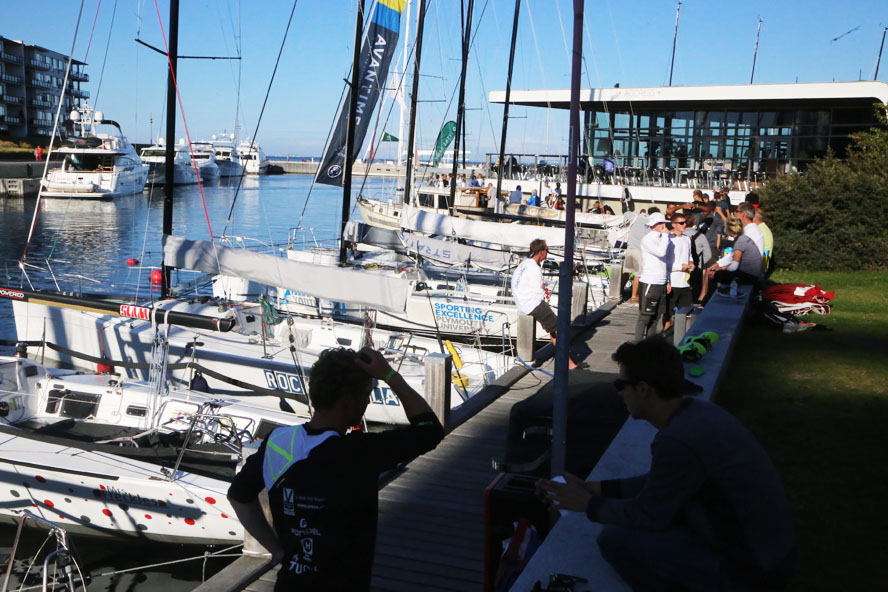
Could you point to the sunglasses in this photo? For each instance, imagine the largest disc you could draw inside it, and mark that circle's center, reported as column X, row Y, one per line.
column 621, row 383
column 682, row 223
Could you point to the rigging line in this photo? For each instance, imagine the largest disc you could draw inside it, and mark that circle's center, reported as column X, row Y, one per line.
column 89, row 43
column 536, row 45
column 105, row 59
column 55, row 130
column 261, row 113
column 184, row 121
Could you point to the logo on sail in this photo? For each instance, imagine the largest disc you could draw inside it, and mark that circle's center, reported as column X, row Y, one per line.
column 135, row 312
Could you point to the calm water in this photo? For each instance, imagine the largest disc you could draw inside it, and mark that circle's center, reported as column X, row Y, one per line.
column 88, row 243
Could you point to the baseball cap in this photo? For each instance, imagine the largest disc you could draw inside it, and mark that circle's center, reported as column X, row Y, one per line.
column 655, row 218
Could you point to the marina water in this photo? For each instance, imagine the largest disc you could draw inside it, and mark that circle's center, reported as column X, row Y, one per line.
column 88, row 244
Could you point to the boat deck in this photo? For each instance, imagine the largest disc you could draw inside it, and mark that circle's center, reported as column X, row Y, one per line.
column 431, row 514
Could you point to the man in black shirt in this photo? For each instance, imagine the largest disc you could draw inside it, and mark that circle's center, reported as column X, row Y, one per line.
column 322, row 478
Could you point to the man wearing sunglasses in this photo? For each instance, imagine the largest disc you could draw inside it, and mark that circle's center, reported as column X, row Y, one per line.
column 653, row 283
column 711, row 514
column 680, row 264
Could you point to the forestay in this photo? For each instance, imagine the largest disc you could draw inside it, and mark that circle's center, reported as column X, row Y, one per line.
column 332, row 283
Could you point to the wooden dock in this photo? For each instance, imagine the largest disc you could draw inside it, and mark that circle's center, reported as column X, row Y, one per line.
column 431, row 514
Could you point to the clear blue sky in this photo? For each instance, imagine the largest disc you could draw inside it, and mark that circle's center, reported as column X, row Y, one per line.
column 628, row 41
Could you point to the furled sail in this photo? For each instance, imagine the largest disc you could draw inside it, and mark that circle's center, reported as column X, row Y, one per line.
column 515, row 236
column 377, row 49
column 321, row 281
column 453, row 253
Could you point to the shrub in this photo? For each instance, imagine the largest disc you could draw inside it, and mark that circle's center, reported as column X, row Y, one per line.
column 834, row 216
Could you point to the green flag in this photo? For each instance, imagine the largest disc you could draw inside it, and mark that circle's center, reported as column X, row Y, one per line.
column 387, row 137
column 445, row 136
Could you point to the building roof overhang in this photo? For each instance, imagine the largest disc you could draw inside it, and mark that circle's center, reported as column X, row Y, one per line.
column 739, row 96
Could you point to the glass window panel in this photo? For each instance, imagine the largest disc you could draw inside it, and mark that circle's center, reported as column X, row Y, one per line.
column 602, row 119
column 857, row 115
column 621, row 120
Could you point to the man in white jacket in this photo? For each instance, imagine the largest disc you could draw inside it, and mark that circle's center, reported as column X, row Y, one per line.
column 530, row 294
column 654, row 280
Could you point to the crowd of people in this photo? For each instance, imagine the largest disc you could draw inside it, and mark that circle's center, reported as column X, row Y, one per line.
column 676, row 257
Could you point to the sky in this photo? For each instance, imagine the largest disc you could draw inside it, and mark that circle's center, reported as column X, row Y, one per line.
column 625, row 41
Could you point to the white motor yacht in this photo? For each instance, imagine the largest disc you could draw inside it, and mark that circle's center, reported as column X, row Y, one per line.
column 227, row 158
column 183, row 169
column 253, row 158
column 205, row 157
column 99, row 162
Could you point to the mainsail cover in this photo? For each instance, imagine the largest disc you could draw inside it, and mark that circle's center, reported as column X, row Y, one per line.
column 377, row 49
column 515, row 236
column 321, row 281
column 453, row 253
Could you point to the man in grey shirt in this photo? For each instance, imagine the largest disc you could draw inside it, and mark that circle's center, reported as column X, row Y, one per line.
column 711, row 514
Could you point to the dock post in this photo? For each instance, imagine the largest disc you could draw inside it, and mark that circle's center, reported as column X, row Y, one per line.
column 437, row 385
column 681, row 322
column 526, row 337
column 579, row 300
column 615, row 286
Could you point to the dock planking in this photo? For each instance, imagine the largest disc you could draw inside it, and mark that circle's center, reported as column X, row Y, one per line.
column 431, row 512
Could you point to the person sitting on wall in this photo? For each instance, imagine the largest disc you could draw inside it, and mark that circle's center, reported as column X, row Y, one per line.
column 711, row 514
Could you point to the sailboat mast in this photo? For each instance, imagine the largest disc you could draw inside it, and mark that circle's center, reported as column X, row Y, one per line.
column 170, row 138
column 414, row 96
column 350, row 131
column 502, row 152
column 461, row 105
column 565, row 272
column 401, row 101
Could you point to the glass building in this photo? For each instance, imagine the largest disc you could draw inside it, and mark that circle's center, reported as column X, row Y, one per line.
column 744, row 130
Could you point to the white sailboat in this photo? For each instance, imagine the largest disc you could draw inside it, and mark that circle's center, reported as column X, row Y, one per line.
column 114, row 457
column 99, row 162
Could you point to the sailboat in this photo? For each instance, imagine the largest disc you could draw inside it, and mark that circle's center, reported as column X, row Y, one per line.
column 240, row 347
column 121, row 458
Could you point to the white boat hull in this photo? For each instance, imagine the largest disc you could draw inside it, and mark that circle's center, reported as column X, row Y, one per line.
column 94, row 185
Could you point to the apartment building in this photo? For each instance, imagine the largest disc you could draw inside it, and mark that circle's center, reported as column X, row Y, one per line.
column 31, row 80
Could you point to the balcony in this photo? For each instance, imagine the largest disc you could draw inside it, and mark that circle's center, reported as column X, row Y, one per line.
column 11, row 78
column 80, row 76
column 10, row 100
column 13, row 120
column 39, row 103
column 80, row 94
column 39, row 64
column 8, row 57
column 40, row 83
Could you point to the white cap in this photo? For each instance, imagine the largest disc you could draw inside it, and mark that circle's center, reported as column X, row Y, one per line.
column 655, row 218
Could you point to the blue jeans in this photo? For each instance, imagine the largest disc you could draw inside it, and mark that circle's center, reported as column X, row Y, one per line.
column 665, row 561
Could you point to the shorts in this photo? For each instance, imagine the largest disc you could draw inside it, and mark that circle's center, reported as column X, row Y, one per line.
column 632, row 261
column 545, row 316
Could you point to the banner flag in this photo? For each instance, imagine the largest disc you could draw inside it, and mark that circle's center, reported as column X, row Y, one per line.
column 387, row 137
column 445, row 137
column 377, row 49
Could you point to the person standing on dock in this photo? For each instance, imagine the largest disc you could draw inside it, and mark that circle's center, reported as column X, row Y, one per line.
column 322, row 476
column 711, row 514
column 530, row 293
column 653, row 285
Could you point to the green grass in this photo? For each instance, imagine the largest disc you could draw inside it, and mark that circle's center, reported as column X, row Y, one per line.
column 818, row 402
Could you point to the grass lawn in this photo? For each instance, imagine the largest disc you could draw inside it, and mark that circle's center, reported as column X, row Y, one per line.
column 818, row 402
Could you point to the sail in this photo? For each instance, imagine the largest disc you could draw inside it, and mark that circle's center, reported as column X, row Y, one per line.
column 377, row 49
column 453, row 253
column 516, row 236
column 321, row 281
column 445, row 137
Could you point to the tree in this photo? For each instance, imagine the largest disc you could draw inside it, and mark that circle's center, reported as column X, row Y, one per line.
column 834, row 216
